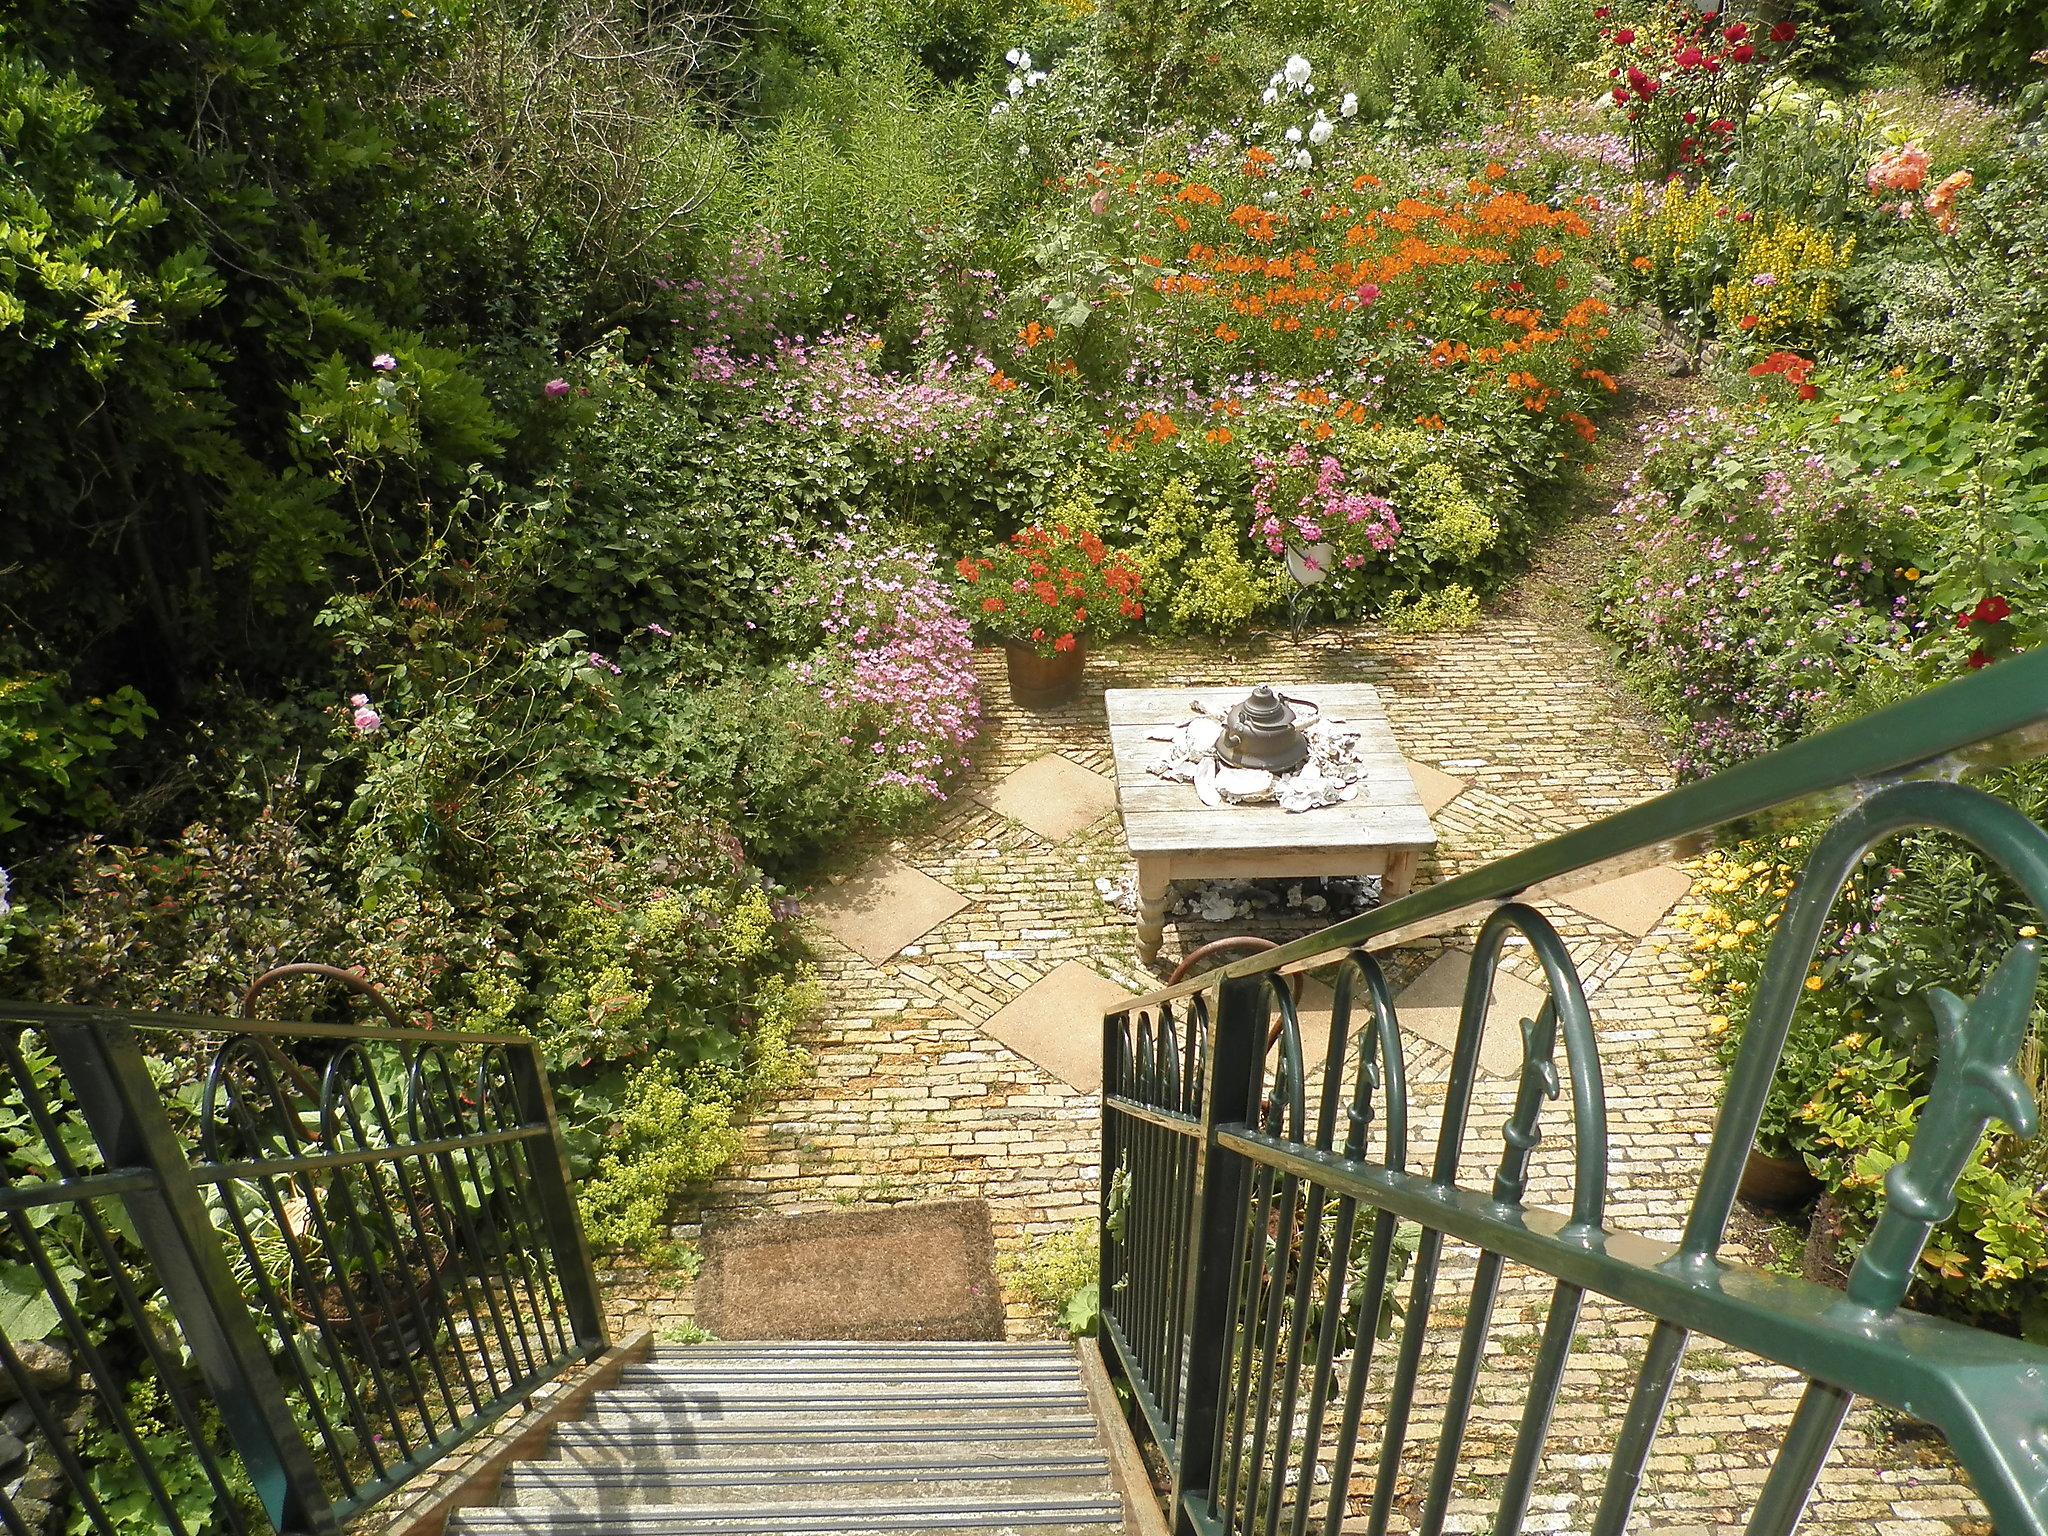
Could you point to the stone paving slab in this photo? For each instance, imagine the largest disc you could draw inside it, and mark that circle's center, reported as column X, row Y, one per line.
column 1053, row 796
column 1635, row 903
column 1057, row 1022
column 1430, row 1006
column 1435, row 788
column 883, row 906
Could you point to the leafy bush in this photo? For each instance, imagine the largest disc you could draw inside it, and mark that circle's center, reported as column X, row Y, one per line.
column 1058, row 1277
column 51, row 747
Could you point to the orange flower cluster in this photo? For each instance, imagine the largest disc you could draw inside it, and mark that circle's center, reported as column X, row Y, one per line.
column 1048, row 586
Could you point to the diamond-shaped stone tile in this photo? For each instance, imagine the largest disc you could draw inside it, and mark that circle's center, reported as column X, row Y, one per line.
column 1635, row 903
column 1057, row 1023
column 1437, row 788
column 882, row 906
column 1429, row 1006
column 1053, row 796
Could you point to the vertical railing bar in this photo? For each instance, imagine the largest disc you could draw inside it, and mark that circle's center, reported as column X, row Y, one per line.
column 446, row 1187
column 541, row 1316
column 1801, row 1455
column 1421, row 1293
column 1464, row 1385
column 1250, row 1311
column 81, row 1342
column 436, row 1286
column 575, row 1277
column 117, row 1272
column 1379, row 1259
column 395, row 1317
column 54, row 1436
column 1231, row 1042
column 246, row 1123
column 367, row 1251
column 105, row 1067
column 1654, row 1380
column 1145, row 1192
column 1107, row 1250
column 1273, row 1305
column 281, row 1317
column 522, row 1367
column 1551, row 1358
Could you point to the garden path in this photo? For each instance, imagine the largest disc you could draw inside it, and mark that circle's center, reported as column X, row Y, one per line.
column 915, row 1098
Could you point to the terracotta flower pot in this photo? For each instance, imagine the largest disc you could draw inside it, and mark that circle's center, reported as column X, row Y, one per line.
column 1041, row 682
column 1776, row 1183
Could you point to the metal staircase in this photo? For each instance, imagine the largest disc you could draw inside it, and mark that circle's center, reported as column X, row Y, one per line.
column 782, row 1439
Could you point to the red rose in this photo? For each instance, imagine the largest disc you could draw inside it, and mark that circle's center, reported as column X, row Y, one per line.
column 1721, row 125
column 1620, row 96
column 1737, row 32
column 1963, row 619
column 1742, row 54
column 1690, row 58
column 1979, row 659
column 1784, row 32
column 1625, row 36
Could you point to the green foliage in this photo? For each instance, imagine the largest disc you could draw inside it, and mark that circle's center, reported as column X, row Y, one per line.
column 51, row 746
column 1198, row 576
column 1057, row 1276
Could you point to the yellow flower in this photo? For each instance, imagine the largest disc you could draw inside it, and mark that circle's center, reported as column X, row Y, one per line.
column 1746, row 927
column 1813, row 983
column 2030, row 931
column 1912, row 573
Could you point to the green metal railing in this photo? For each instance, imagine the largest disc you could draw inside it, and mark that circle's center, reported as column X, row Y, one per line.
column 261, row 1274
column 1250, row 1253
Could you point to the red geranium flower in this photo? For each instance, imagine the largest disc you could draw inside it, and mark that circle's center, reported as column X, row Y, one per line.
column 1979, row 659
column 1064, row 643
column 1991, row 609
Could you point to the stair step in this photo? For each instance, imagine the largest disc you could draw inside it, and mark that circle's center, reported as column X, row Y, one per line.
column 630, row 1442
column 703, row 1408
column 1027, row 1516
column 880, row 1482
column 804, row 1348
column 877, row 1369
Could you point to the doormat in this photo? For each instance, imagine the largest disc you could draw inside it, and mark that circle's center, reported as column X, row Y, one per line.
column 898, row 1272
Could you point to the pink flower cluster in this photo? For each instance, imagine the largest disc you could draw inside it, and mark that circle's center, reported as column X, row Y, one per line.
column 835, row 384
column 897, row 656
column 1291, row 506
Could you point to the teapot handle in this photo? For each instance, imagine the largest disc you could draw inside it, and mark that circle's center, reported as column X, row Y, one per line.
column 1309, row 704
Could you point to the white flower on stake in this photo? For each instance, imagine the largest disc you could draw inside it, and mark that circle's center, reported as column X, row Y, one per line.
column 1297, row 70
column 1320, row 130
column 1349, row 106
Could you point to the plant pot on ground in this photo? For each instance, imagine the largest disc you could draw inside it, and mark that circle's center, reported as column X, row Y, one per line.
column 1044, row 596
column 1777, row 1183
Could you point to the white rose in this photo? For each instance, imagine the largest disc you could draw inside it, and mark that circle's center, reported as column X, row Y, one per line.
column 1024, row 59
column 1269, row 96
column 1349, row 108
column 1010, row 57
column 1294, row 135
column 1016, row 87
column 1303, row 159
column 1297, row 70
column 1320, row 130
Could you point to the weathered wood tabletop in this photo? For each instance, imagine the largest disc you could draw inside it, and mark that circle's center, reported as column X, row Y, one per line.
column 1173, row 836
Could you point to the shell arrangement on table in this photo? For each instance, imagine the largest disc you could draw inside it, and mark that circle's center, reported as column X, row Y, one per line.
column 1332, row 774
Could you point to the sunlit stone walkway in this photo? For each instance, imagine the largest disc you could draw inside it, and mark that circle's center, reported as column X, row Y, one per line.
column 939, row 1075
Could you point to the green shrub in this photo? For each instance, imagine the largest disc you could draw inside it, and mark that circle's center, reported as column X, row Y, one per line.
column 1057, row 1277
column 52, row 748
column 1194, row 559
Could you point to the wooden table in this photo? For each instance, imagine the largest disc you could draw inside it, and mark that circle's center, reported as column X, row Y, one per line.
column 1173, row 836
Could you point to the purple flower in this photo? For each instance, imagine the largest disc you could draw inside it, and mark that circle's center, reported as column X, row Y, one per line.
column 384, row 362
column 554, row 389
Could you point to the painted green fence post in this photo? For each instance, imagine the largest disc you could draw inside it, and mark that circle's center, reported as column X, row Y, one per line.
column 1229, row 1098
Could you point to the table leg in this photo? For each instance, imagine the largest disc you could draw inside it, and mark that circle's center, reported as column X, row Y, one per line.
column 1400, row 875
column 1152, row 886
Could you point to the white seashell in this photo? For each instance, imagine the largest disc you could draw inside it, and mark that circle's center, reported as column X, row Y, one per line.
column 1203, row 734
column 1205, row 782
column 1244, row 783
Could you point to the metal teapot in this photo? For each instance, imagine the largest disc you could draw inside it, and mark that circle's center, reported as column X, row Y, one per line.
column 1264, row 731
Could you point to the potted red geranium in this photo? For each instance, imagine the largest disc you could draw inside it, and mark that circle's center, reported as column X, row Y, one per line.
column 1045, row 594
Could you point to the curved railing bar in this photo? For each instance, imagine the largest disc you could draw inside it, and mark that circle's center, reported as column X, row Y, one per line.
column 2010, row 841
column 355, row 981
column 1289, row 1076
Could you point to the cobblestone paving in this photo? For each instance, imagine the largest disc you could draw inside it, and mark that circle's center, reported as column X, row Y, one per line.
column 912, row 1101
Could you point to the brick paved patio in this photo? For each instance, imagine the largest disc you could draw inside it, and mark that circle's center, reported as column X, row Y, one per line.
column 913, row 1099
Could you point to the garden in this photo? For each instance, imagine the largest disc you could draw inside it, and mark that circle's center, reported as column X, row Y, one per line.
column 503, row 494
